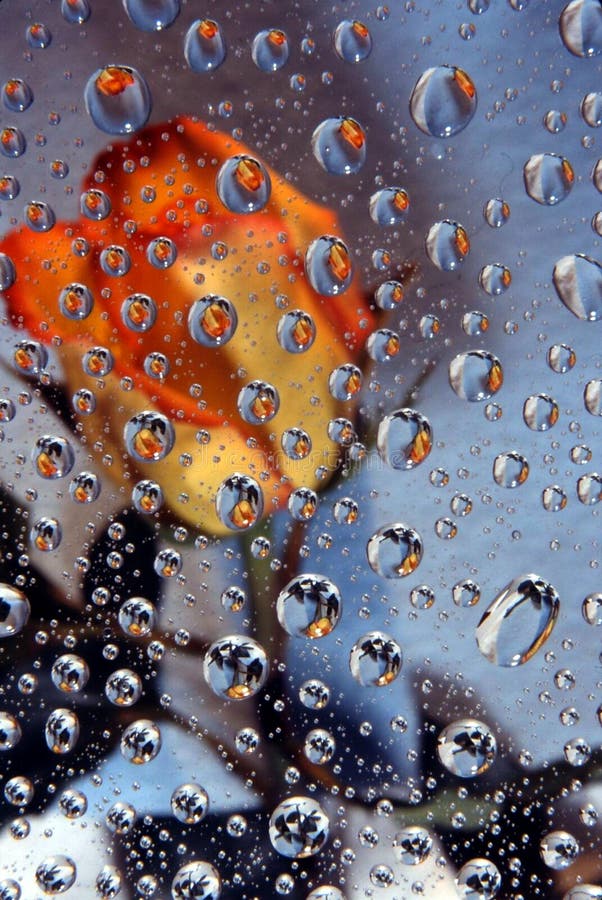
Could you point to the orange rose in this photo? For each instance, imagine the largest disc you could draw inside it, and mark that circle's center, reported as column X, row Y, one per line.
column 167, row 304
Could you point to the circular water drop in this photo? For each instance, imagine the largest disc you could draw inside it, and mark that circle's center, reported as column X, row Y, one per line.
column 147, row 497
column 118, row 99
column 475, row 375
column 447, row 245
column 466, row 748
column 70, row 673
column 478, row 879
column 12, row 142
column 62, row 731
column 466, row 593
column 17, row 96
column 140, row 742
column 138, row 312
column 14, row 611
column 198, row 881
column 189, row 803
column 518, row 621
column 39, row 216
column 270, row 50
column 592, row 396
column 10, row 733
column 212, row 321
column 73, row 804
column 581, row 27
column 76, row 301
column 443, row 101
column 578, row 282
column 405, row 439
column 76, row 12
column 56, row 874
column 239, row 502
column 345, row 511
column 584, row 892
column 296, row 331
column 9, row 189
column 577, row 752
column 152, row 15
column 137, row 617
column 389, row 295
column 115, row 261
column 94, row 204
column 149, row 436
column 555, row 121
column 108, row 882
column 548, row 177
column 554, row 498
column 319, row 746
column 352, row 41
column 395, row 551
column 412, row 845
column 326, row 892
column 540, row 412
column 558, row 849
column 589, row 489
column 296, row 443
column 314, row 694
column 339, row 145
column 345, row 382
column 328, row 266
column 383, row 345
column 375, row 659
column 235, row 667
column 495, row 279
column 258, row 402
column 120, row 818
column 243, row 184
column 591, row 109
column 561, row 358
column 302, row 504
column 162, row 252
column 19, row 790
column 30, row 357
column 389, row 206
column 298, row 828
column 510, row 469
column 309, row 606
column 204, row 46
column 52, row 456
column 123, row 687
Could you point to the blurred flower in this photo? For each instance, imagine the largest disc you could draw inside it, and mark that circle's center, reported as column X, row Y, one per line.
column 192, row 339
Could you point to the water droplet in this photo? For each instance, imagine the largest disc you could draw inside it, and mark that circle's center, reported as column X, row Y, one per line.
column 38, row 36
column 581, row 27
column 475, row 375
column 422, row 597
column 578, row 281
column 108, row 880
column 17, row 95
column 577, row 752
column 205, row 46
column 140, row 742
column 540, row 412
column 495, row 279
column 519, row 621
column 212, row 321
column 56, row 874
column 296, row 331
column 53, row 456
column 405, row 439
column 466, row 748
column 589, row 489
column 235, row 667
column 243, row 184
column 345, row 382
column 466, row 593
column 314, row 694
column 555, row 121
column 70, row 673
column 319, row 746
column 443, row 101
column 152, row 15
column 189, row 803
column 309, row 605
column 9, row 189
column 39, row 216
column 149, row 436
column 328, row 266
column 95, row 204
column 389, row 295
column 76, row 301
column 270, row 50
column 123, row 687
column 447, row 245
column 339, row 145
column 548, row 178
column 352, row 41
column 258, row 402
column 76, row 12
column 558, row 849
column 412, row 845
column 138, row 312
column 510, row 469
column 12, row 142
column 591, row 109
column 118, row 99
column 161, row 252
column 584, row 892
column 10, row 730
column 298, row 828
column 302, row 504
column 390, row 206
column 395, row 551
column 561, row 358
column 375, row 659
column 120, row 818
column 478, row 879
column 554, row 498
column 239, row 502
column 383, row 345
column 61, row 731
column 115, row 261
column 137, row 616
column 326, row 892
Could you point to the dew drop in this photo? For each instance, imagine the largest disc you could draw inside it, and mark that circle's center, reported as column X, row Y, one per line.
column 204, row 46
column 443, row 101
column 118, row 99
column 339, row 145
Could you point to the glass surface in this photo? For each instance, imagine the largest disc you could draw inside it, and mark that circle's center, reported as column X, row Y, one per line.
column 300, row 450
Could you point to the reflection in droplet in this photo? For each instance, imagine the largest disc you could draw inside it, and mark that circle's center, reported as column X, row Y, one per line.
column 314, row 694
column 412, row 845
column 578, row 281
column 558, row 849
column 405, row 439
column 62, row 731
column 389, row 206
column 199, row 880
column 296, row 331
column 189, row 803
column 14, row 611
column 548, row 178
column 140, row 742
column 495, row 279
column 235, row 667
column 561, row 358
column 581, row 27
column 375, row 659
column 152, row 15
column 239, row 502
column 258, row 402
column 298, row 828
column 395, row 551
column 270, row 50
column 10, row 732
column 554, row 498
column 519, row 621
column 478, row 879
column 589, row 489
column 466, row 748
column 443, row 101
column 118, row 99
column 466, row 593
column 309, row 605
column 17, row 96
column 76, row 301
column 328, row 266
column 339, row 145
column 510, row 469
column 56, row 874
column 475, row 375
column 243, row 184
column 149, row 436
column 447, row 245
column 540, row 412
column 204, row 46
column 76, row 12
column 212, row 321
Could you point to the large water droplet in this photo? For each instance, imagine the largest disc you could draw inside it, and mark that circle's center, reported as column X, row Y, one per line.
column 447, row 245
column 56, row 874
column 298, row 828
column 466, row 748
column 578, row 281
column 140, row 742
column 581, row 27
column 14, row 611
column 405, row 438
column 235, row 667
column 212, row 321
column 204, row 47
column 152, row 15
column 243, row 184
column 443, row 101
column 475, row 375
column 352, row 41
column 394, row 551
column 270, row 50
column 375, row 659
column 478, row 879
column 189, row 803
column 548, row 178
column 518, row 621
column 309, row 605
column 149, row 436
column 118, row 99
column 339, row 145
column 196, row 881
